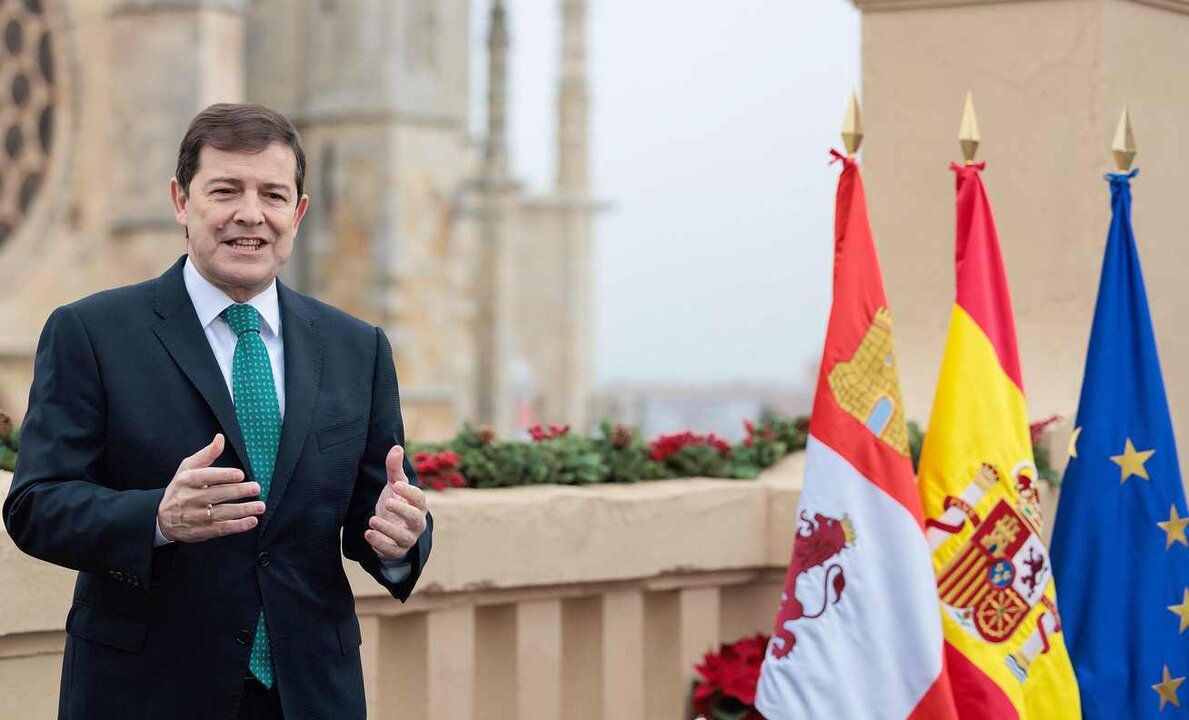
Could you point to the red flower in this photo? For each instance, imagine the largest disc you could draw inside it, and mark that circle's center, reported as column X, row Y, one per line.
column 1036, row 429
column 438, row 471
column 765, row 433
column 667, row 445
column 732, row 672
column 539, row 434
column 752, row 649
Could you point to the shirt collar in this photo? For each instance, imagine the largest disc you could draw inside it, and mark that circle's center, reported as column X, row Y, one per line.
column 209, row 301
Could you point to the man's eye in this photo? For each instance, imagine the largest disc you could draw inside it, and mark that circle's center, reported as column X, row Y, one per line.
column 222, row 191
column 276, row 196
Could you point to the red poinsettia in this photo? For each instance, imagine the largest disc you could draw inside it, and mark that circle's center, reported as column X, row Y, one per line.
column 439, row 471
column 667, row 445
column 540, row 434
column 765, row 433
column 1037, row 429
column 727, row 686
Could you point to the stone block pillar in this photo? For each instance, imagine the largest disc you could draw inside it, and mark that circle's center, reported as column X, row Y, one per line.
column 1050, row 78
column 539, row 660
column 623, row 655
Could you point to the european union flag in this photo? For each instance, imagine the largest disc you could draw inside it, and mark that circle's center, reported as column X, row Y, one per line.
column 1119, row 549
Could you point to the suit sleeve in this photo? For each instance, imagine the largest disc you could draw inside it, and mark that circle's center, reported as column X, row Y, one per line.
column 386, row 429
column 57, row 509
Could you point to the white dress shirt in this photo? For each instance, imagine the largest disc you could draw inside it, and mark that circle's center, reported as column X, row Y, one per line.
column 209, row 303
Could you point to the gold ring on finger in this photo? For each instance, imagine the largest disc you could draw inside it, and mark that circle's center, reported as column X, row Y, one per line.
column 209, row 517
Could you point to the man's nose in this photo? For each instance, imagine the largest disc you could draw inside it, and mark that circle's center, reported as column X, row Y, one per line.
column 249, row 212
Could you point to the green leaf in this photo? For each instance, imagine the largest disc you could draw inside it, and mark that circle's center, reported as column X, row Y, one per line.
column 724, row 714
column 916, row 438
column 575, row 460
column 745, row 472
column 8, row 458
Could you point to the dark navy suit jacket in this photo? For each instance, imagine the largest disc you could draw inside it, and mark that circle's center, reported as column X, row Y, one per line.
column 125, row 386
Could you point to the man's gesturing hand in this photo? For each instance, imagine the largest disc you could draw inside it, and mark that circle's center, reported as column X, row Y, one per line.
column 400, row 511
column 198, row 505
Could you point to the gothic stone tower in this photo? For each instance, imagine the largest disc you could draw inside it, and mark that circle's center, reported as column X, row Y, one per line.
column 550, row 255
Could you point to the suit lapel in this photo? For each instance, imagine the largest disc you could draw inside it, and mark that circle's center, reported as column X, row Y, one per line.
column 183, row 337
column 303, row 370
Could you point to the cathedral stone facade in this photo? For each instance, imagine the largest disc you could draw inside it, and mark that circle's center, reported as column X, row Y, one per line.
column 414, row 225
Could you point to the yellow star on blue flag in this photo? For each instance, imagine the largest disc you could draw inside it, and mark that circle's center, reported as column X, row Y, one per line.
column 1131, row 462
column 1119, row 552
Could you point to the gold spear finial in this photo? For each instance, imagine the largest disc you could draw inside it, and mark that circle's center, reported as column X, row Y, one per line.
column 1124, row 145
column 852, row 126
column 968, row 134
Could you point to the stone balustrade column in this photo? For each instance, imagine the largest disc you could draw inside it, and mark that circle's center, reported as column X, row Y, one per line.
column 623, row 655
column 539, row 660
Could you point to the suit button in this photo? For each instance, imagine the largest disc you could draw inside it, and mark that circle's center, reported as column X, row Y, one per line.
column 263, row 559
column 243, row 637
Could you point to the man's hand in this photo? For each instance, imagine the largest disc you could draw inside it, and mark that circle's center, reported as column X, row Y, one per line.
column 197, row 504
column 400, row 511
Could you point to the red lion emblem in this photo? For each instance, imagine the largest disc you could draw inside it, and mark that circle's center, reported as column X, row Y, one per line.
column 818, row 541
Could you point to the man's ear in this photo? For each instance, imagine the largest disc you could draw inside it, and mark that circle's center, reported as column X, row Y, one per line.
column 302, row 205
column 179, row 201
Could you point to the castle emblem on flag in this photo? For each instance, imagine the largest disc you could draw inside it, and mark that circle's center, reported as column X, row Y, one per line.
column 865, row 385
column 1000, row 573
column 818, row 543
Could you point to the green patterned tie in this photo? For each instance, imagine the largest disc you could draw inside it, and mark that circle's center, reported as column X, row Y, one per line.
column 259, row 418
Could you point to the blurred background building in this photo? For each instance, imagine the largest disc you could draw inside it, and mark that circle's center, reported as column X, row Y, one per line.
column 415, row 225
column 445, row 212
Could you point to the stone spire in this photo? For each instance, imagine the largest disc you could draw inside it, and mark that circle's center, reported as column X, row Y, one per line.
column 491, row 285
column 495, row 155
column 573, row 166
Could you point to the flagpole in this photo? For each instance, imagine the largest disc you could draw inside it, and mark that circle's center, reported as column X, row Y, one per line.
column 968, row 132
column 1124, row 146
column 852, row 126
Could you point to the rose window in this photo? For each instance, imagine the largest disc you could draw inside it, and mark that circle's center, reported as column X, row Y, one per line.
column 26, row 109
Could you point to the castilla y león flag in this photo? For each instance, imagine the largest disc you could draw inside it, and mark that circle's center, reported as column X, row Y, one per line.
column 1004, row 648
column 858, row 634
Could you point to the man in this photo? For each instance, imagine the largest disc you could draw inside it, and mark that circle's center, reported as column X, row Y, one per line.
column 198, row 446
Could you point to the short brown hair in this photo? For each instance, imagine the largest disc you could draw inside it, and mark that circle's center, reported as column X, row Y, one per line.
column 237, row 127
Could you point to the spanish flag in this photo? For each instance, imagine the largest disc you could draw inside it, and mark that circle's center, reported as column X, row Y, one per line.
column 1004, row 649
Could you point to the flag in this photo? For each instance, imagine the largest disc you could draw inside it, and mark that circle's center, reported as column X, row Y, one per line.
column 1119, row 547
column 858, row 632
column 1004, row 648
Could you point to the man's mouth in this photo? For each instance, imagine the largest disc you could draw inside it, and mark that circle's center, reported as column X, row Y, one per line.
column 246, row 243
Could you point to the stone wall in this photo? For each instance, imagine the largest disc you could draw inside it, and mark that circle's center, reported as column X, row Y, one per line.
column 1050, row 78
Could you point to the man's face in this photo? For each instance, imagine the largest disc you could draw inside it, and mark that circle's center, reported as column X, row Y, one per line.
column 241, row 212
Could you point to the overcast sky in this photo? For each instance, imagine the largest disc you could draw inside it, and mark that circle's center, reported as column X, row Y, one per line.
column 711, row 123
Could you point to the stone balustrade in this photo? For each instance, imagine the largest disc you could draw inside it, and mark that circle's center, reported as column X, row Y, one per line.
column 541, row 602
